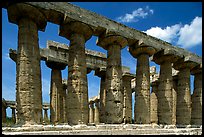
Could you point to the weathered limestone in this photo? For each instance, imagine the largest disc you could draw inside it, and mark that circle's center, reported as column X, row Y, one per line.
column 96, row 111
column 28, row 78
column 154, row 102
column 165, row 58
column 4, row 106
column 174, row 95
column 91, row 111
column 183, row 108
column 57, row 94
column 196, row 113
column 77, row 96
column 142, row 89
column 127, row 103
column 102, row 73
column 114, row 97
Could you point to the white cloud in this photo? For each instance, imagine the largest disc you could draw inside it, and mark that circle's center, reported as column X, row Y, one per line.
column 191, row 35
column 185, row 36
column 166, row 34
column 138, row 13
column 6, row 56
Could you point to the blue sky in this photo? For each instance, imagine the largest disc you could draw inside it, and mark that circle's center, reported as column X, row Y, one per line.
column 179, row 23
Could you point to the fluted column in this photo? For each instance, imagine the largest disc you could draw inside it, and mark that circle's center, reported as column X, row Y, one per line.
column 77, row 97
column 196, row 114
column 127, row 108
column 114, row 97
column 183, row 106
column 56, row 92
column 142, row 89
column 4, row 106
column 165, row 58
column 102, row 73
column 154, row 102
column 96, row 111
column 91, row 111
column 28, row 78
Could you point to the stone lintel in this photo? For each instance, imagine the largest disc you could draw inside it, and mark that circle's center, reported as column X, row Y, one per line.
column 56, row 65
column 197, row 69
column 75, row 27
column 169, row 55
column 184, row 63
column 106, row 40
column 140, row 48
column 128, row 76
column 22, row 10
column 57, row 12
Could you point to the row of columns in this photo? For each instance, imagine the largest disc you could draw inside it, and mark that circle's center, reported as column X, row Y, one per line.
column 28, row 78
column 13, row 111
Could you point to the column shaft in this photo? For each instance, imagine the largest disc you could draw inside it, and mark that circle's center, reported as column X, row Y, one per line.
column 127, row 110
column 13, row 115
column 96, row 112
column 77, row 81
column 102, row 99
column 154, row 103
column 29, row 93
column 91, row 112
column 142, row 93
column 196, row 116
column 165, row 96
column 45, row 115
column 183, row 108
column 114, row 96
column 56, row 90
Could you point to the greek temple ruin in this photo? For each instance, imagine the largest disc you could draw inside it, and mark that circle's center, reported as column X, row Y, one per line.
column 160, row 98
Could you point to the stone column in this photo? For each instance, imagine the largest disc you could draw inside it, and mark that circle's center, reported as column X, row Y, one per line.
column 64, row 103
column 77, row 97
column 154, row 102
column 91, row 111
column 127, row 108
column 183, row 106
column 13, row 108
column 114, row 97
column 165, row 58
column 142, row 89
column 96, row 111
column 28, row 78
column 196, row 114
column 102, row 73
column 4, row 106
column 56, row 92
column 45, row 114
column 174, row 94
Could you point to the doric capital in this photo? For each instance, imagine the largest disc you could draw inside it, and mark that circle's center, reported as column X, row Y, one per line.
column 21, row 10
column 75, row 27
column 127, row 76
column 165, row 55
column 107, row 39
column 139, row 48
column 56, row 65
column 197, row 69
column 184, row 63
